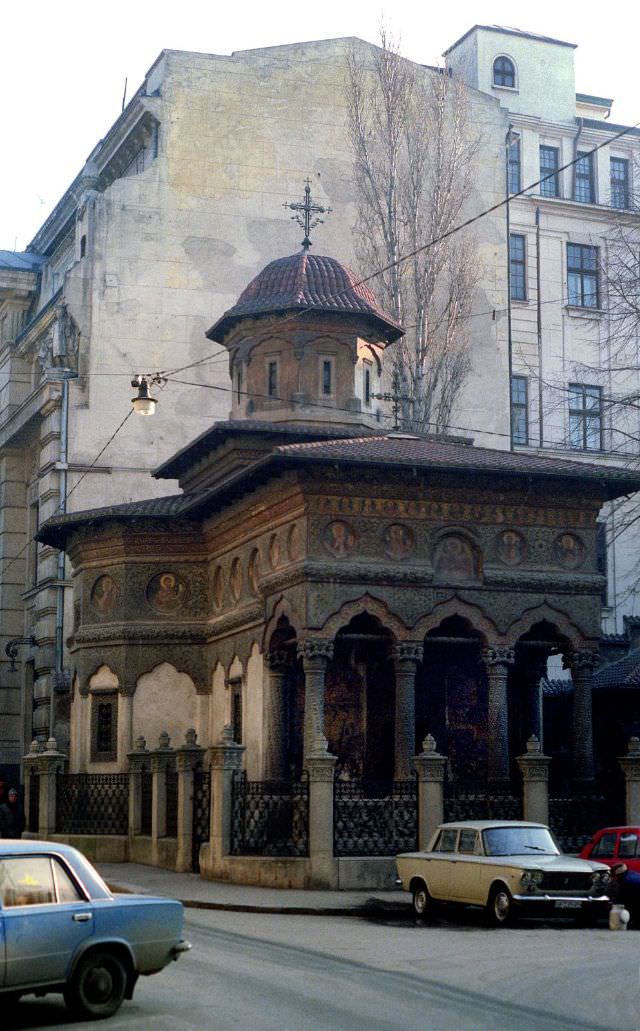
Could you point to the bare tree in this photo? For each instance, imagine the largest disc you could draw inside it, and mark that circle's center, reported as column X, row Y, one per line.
column 414, row 151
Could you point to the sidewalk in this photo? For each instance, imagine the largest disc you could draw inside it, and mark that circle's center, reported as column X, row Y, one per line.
column 196, row 893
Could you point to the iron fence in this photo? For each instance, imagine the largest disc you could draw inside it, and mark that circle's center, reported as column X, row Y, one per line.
column 464, row 801
column 201, row 814
column 171, row 803
column 146, row 802
column 374, row 819
column 33, row 823
column 92, row 803
column 574, row 819
column 269, row 818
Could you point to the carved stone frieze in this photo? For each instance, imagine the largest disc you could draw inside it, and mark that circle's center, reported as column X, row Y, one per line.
column 229, row 622
column 194, row 633
column 315, row 649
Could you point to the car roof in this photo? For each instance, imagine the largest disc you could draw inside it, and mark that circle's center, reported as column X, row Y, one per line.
column 618, row 828
column 20, row 846
column 483, row 825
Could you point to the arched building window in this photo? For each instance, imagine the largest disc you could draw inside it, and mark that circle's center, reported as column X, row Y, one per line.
column 504, row 72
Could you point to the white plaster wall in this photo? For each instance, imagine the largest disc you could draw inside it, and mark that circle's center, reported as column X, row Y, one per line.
column 164, row 699
column 254, row 705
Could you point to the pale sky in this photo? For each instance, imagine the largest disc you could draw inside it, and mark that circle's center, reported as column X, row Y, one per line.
column 63, row 65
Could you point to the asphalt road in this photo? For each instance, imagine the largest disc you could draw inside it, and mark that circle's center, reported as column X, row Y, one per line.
column 304, row 973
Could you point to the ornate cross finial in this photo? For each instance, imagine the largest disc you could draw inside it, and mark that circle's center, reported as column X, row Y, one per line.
column 304, row 212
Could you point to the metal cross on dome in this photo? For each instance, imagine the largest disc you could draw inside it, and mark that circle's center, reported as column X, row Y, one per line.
column 305, row 211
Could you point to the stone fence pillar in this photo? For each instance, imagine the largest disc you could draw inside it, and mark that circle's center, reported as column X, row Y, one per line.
column 46, row 766
column 138, row 761
column 225, row 759
column 161, row 758
column 534, row 767
column 321, row 768
column 188, row 758
column 430, row 766
column 630, row 764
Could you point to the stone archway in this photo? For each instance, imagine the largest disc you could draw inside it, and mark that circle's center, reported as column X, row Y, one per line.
column 283, row 704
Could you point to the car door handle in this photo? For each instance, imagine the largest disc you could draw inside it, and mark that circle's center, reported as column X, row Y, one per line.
column 82, row 918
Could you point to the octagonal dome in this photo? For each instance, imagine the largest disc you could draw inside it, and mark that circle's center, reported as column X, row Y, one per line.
column 304, row 282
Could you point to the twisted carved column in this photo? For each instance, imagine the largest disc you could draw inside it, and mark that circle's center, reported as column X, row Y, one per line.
column 581, row 665
column 406, row 656
column 276, row 715
column 316, row 653
column 497, row 660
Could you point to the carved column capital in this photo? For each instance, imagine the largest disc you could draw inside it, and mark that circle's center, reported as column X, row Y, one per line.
column 317, row 651
column 499, row 655
column 278, row 660
column 582, row 662
column 407, row 651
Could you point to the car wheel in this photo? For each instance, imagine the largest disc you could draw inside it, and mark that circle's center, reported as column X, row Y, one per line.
column 98, row 986
column 499, row 906
column 422, row 901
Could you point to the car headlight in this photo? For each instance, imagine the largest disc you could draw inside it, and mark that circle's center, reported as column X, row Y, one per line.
column 531, row 878
column 600, row 878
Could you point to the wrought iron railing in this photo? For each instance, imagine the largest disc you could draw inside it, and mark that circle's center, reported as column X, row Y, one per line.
column 476, row 801
column 171, row 803
column 374, row 819
column 146, row 802
column 201, row 814
column 92, row 803
column 270, row 818
column 574, row 819
column 33, row 823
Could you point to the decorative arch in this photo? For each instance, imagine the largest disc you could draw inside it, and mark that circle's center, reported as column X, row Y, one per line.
column 372, row 606
column 565, row 626
column 281, row 608
column 165, row 699
column 457, row 607
column 84, row 673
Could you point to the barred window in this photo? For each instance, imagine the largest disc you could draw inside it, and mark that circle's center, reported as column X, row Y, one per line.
column 104, row 724
column 619, row 183
column 549, row 164
column 582, row 275
column 601, row 557
column 584, row 188
column 519, row 410
column 517, row 268
column 504, row 72
column 272, row 379
column 513, row 166
column 585, row 417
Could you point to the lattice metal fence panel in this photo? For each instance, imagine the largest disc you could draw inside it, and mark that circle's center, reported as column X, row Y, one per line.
column 146, row 802
column 270, row 818
column 201, row 814
column 171, row 803
column 574, row 820
column 470, row 802
column 374, row 819
column 92, row 803
column 34, row 803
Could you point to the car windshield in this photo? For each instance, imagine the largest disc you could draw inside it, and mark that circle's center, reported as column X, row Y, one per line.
column 518, row 841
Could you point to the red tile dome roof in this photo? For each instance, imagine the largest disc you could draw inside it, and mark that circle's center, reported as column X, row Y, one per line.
column 306, row 282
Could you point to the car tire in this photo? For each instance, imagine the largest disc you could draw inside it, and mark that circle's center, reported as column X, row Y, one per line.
column 98, row 986
column 499, row 908
column 421, row 902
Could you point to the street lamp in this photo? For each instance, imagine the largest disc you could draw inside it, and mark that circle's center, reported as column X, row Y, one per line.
column 143, row 403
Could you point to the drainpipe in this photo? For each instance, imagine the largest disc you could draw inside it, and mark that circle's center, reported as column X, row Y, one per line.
column 62, row 464
column 509, row 336
column 575, row 155
column 539, row 316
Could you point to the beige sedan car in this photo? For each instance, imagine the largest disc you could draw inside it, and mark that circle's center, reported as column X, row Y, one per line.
column 507, row 867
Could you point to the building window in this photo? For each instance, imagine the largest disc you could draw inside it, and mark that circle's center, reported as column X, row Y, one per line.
column 238, row 383
column 517, row 269
column 236, row 709
column 83, row 246
column 601, row 558
column 504, row 72
column 326, row 376
column 513, row 165
column 582, row 275
column 519, row 410
column 104, row 725
column 619, row 183
column 585, row 417
column 584, row 189
column 549, row 164
column 272, row 378
column 367, row 384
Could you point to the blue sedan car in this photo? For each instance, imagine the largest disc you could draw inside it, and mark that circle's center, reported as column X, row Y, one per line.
column 62, row 930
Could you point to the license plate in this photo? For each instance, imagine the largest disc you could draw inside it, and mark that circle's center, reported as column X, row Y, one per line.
column 568, row 904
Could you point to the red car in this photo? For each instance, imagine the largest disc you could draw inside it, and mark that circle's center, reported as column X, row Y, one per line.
column 615, row 845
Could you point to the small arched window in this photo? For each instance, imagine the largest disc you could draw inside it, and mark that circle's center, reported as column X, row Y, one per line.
column 504, row 72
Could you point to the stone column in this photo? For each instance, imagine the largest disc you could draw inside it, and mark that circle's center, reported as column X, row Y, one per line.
column 430, row 767
column 582, row 665
column 534, row 767
column 137, row 762
column 188, row 756
column 160, row 760
column 324, row 868
column 225, row 759
column 497, row 660
column 316, row 653
column 406, row 656
column 125, row 727
column 47, row 765
column 30, row 766
column 275, row 715
column 630, row 764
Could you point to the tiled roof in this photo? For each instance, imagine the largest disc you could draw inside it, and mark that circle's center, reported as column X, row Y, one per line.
column 303, row 282
column 21, row 261
column 557, row 687
column 625, row 672
column 54, row 531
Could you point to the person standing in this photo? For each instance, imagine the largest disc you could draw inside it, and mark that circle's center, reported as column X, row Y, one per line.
column 11, row 816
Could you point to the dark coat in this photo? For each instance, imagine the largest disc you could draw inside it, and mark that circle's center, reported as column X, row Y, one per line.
column 11, row 820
